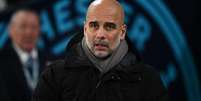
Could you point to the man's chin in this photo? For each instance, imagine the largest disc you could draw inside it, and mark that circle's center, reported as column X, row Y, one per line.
column 101, row 54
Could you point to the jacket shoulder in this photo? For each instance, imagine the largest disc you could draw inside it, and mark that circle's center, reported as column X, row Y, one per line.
column 148, row 72
column 153, row 86
column 48, row 85
column 53, row 68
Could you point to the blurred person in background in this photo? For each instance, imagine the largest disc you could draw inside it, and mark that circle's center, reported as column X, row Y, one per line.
column 21, row 61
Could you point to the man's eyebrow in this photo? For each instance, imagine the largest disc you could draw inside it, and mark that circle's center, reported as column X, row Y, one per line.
column 112, row 24
column 93, row 21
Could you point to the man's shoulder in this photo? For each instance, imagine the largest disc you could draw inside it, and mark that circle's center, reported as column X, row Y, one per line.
column 54, row 69
column 56, row 65
column 148, row 72
column 6, row 49
column 7, row 52
column 58, row 71
column 135, row 64
column 145, row 68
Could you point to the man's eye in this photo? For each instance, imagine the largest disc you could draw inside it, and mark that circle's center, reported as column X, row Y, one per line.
column 93, row 25
column 109, row 26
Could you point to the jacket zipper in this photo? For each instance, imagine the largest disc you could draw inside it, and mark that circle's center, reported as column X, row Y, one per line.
column 98, row 84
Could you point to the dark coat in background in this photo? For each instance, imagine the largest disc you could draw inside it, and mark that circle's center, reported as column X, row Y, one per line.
column 76, row 79
column 14, row 86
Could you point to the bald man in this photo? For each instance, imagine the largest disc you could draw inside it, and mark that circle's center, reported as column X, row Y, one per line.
column 20, row 60
column 100, row 64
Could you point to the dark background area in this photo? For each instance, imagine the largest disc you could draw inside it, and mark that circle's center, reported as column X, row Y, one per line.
column 188, row 14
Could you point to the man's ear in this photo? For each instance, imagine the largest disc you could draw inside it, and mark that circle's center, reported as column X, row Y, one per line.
column 123, row 32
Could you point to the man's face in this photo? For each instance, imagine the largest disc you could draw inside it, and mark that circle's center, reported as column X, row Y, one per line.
column 24, row 30
column 103, row 32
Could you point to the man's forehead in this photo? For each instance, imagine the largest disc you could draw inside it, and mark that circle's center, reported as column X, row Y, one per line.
column 101, row 17
column 108, row 10
column 103, row 22
column 21, row 16
column 103, row 12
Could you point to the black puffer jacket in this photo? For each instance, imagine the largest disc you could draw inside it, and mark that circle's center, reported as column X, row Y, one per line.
column 76, row 79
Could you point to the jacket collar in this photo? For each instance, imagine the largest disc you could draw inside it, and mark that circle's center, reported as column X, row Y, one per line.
column 76, row 59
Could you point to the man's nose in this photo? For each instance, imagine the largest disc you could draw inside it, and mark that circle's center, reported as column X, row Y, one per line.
column 100, row 33
column 28, row 31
